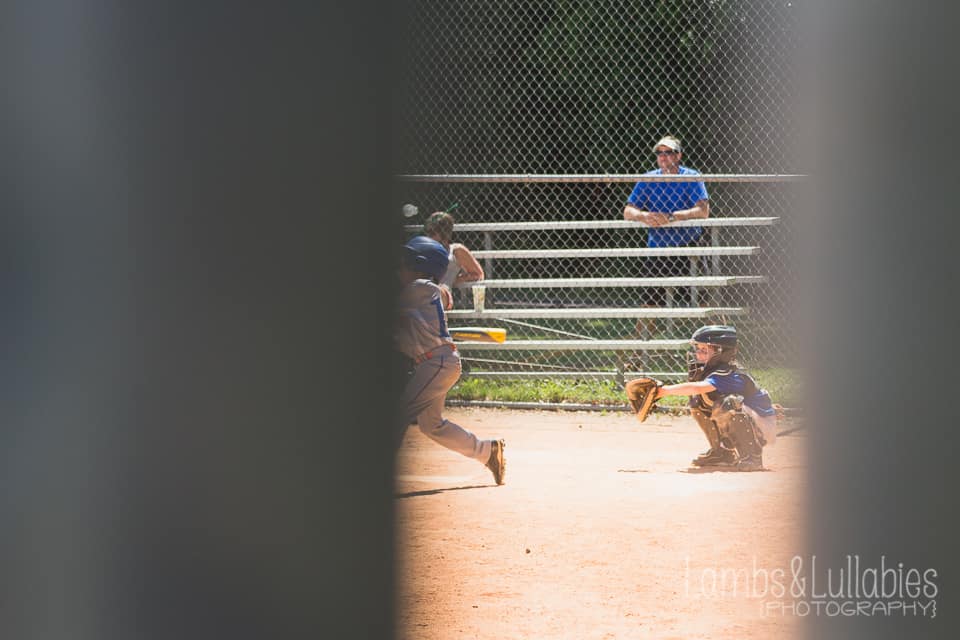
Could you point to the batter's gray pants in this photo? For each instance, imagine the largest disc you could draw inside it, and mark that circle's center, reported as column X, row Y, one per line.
column 423, row 400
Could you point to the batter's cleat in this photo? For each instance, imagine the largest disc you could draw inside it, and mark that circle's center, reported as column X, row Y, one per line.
column 716, row 458
column 497, row 463
column 750, row 463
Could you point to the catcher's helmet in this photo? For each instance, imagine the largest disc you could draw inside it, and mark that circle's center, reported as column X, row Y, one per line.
column 716, row 334
column 426, row 255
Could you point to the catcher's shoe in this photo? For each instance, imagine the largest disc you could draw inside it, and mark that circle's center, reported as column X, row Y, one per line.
column 750, row 463
column 718, row 457
column 497, row 463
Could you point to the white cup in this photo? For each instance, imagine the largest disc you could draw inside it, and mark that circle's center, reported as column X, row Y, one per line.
column 479, row 295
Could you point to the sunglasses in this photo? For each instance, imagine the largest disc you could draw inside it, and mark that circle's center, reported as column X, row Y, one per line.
column 665, row 153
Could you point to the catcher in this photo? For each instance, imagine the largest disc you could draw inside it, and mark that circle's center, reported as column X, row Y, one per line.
column 737, row 417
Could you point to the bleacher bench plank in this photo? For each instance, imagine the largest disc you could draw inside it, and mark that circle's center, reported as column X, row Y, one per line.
column 693, row 252
column 602, row 312
column 568, row 345
column 595, row 375
column 599, row 178
column 567, row 225
column 565, row 283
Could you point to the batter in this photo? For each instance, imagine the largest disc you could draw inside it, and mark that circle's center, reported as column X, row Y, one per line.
column 422, row 336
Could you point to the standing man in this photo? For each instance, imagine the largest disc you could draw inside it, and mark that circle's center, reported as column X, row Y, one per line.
column 657, row 204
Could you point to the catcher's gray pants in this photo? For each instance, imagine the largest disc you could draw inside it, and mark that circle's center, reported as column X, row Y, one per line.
column 423, row 399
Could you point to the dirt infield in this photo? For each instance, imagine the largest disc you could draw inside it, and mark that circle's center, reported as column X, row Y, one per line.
column 601, row 531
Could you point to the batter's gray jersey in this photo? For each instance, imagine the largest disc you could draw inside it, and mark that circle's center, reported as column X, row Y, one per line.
column 422, row 325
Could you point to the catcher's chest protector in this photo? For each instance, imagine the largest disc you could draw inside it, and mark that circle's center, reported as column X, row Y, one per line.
column 710, row 400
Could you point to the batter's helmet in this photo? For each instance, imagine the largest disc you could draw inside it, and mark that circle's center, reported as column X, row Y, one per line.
column 426, row 255
column 716, row 334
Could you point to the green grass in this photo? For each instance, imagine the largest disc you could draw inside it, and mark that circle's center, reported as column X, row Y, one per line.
column 579, row 392
column 783, row 385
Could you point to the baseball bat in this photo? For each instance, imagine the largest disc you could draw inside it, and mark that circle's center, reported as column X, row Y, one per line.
column 479, row 334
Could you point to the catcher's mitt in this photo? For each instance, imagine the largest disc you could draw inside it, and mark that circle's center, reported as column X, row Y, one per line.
column 642, row 393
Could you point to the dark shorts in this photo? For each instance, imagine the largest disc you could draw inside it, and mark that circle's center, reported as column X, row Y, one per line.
column 669, row 267
column 665, row 267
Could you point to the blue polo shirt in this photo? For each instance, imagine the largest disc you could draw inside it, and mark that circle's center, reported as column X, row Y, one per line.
column 667, row 197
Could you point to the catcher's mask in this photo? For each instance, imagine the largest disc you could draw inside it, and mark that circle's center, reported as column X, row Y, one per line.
column 426, row 255
column 722, row 337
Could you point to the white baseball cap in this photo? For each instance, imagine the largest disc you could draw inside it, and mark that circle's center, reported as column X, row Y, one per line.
column 668, row 141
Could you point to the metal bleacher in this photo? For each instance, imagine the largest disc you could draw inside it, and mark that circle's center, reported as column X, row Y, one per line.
column 623, row 358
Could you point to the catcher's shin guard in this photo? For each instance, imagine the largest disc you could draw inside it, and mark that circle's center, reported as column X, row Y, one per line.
column 743, row 433
column 719, row 454
column 708, row 426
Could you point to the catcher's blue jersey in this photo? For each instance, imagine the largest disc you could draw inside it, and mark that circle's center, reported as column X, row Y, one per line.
column 734, row 382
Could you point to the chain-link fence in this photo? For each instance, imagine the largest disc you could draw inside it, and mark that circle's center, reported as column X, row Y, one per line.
column 531, row 122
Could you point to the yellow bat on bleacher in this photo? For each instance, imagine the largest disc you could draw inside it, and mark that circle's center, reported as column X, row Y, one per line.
column 479, row 334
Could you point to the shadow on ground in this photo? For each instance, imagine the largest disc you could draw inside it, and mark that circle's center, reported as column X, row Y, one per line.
column 433, row 492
